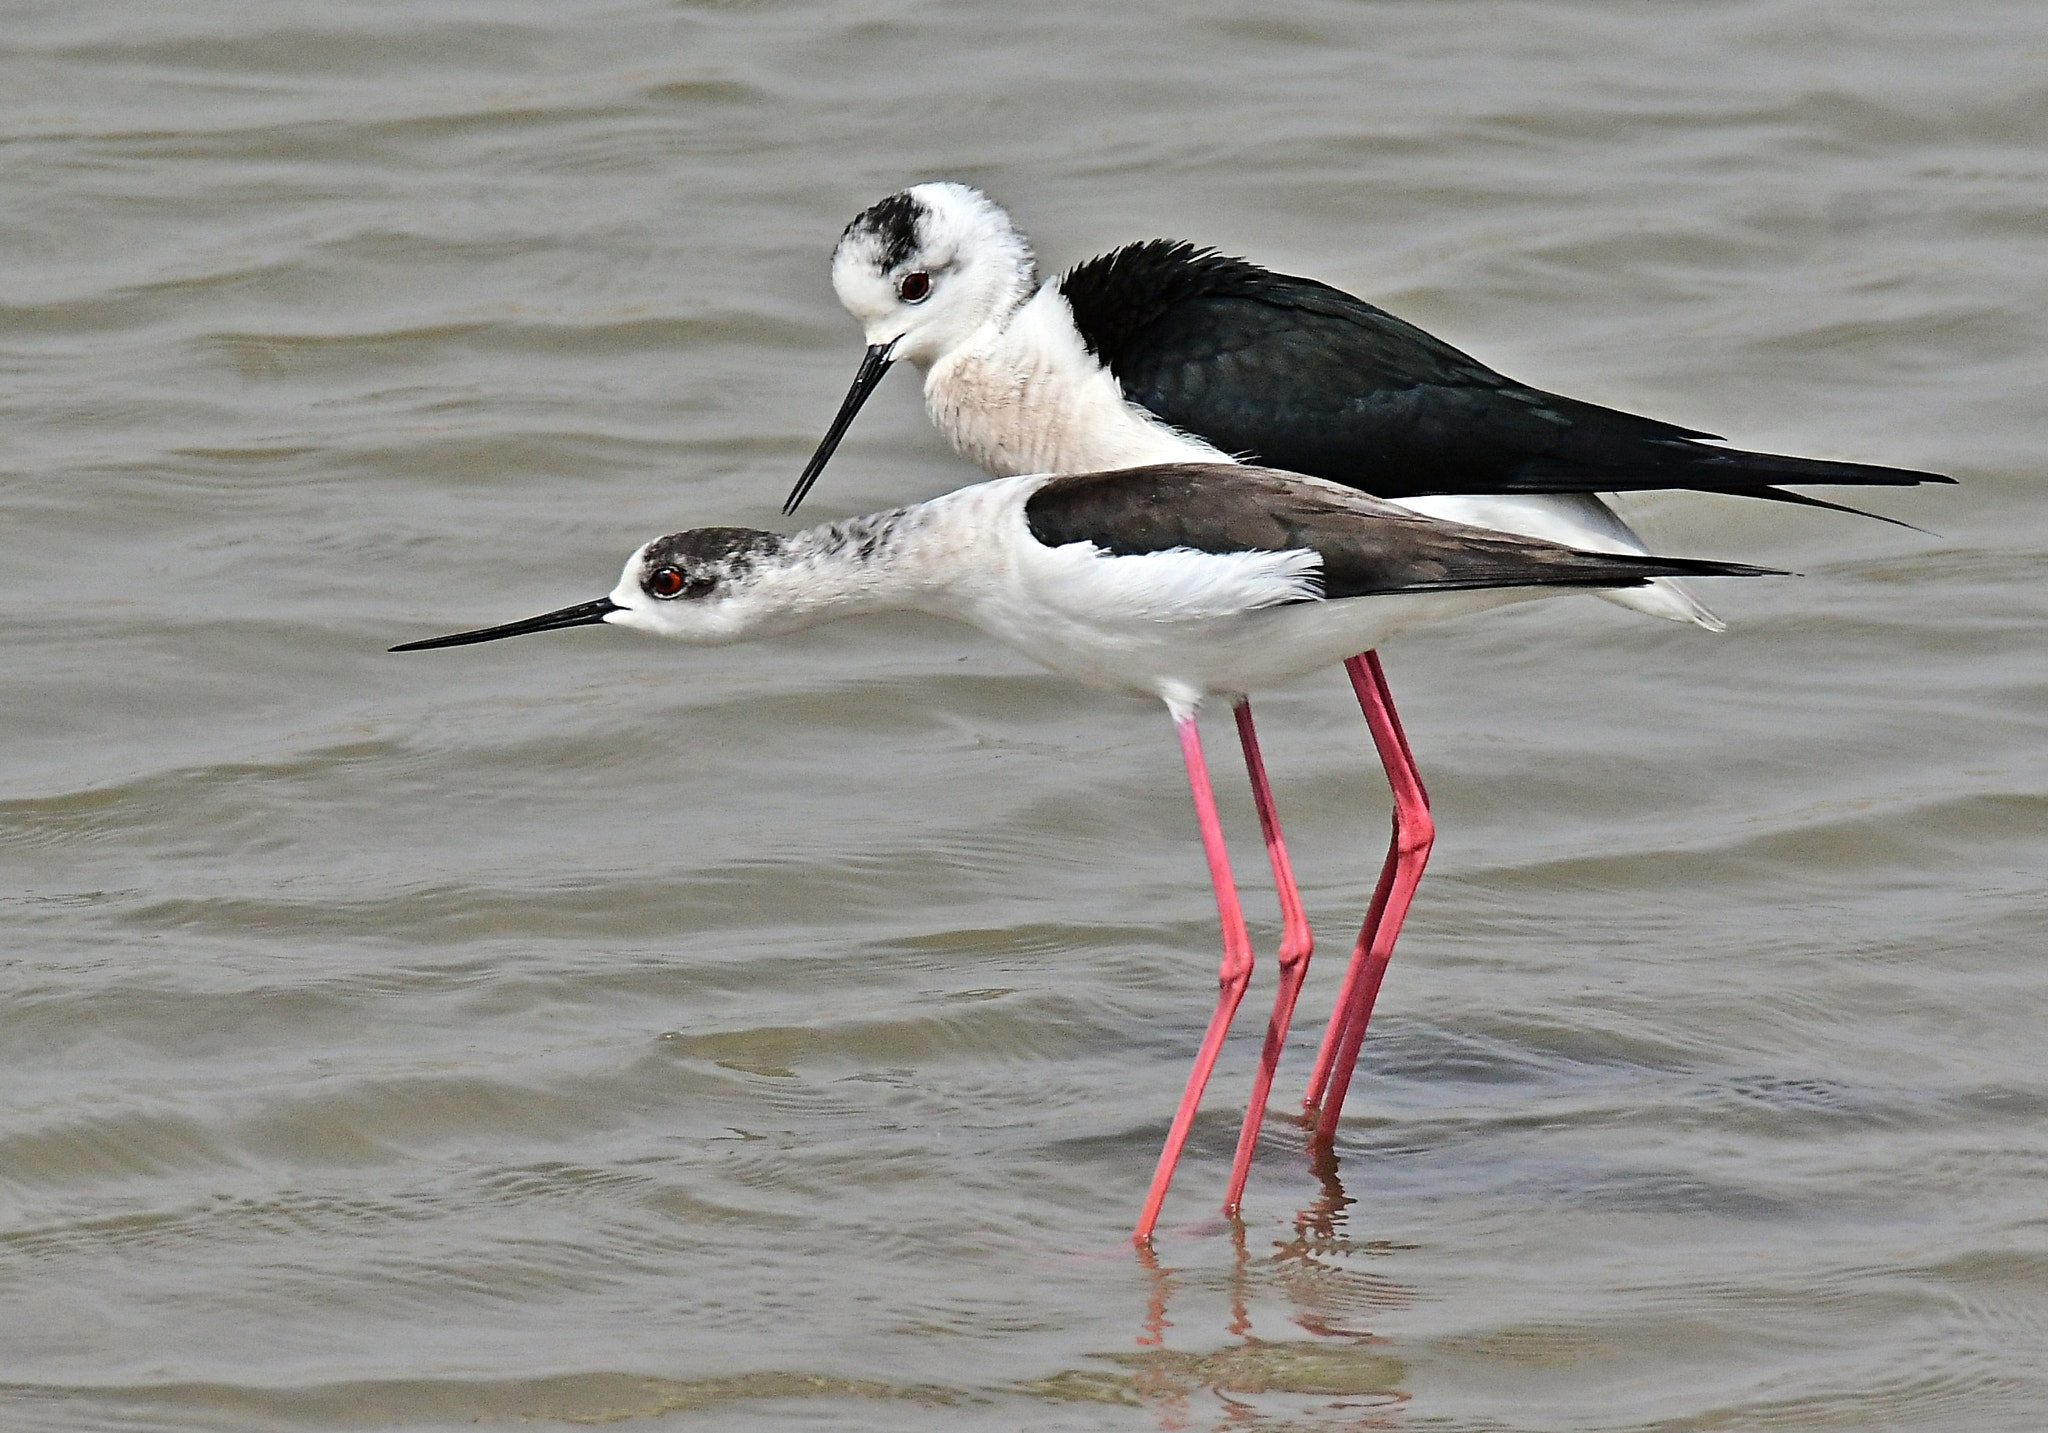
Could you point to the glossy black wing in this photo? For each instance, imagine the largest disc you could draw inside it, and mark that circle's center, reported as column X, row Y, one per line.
column 1367, row 546
column 1294, row 373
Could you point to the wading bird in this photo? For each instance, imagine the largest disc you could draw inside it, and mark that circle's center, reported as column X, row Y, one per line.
column 1164, row 352
column 1177, row 582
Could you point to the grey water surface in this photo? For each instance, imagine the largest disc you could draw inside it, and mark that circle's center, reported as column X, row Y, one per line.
column 585, row 1029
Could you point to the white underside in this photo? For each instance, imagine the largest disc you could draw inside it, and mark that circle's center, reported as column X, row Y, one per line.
column 1178, row 625
column 1182, row 662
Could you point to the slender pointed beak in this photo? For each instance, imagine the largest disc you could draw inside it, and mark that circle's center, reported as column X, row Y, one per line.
column 581, row 615
column 872, row 367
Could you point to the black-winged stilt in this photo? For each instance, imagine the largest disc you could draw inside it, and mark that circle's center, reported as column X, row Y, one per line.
column 1177, row 582
column 1163, row 352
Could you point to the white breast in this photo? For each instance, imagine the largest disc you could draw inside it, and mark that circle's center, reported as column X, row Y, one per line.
column 1026, row 396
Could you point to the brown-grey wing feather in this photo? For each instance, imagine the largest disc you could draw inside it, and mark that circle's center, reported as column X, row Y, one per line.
column 1368, row 546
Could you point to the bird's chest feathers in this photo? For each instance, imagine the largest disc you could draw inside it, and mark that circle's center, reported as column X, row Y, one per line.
column 986, row 411
column 1011, row 408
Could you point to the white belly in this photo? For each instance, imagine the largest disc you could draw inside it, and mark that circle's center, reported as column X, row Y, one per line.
column 1183, row 662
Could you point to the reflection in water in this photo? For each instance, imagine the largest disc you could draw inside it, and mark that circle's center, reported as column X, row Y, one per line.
column 1156, row 1323
column 1260, row 1383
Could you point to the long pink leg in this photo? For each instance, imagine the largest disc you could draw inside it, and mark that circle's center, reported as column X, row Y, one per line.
column 1340, row 1012
column 1296, row 945
column 1232, row 976
column 1407, row 854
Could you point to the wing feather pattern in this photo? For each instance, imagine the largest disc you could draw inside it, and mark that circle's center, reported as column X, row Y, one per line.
column 1366, row 546
column 1308, row 378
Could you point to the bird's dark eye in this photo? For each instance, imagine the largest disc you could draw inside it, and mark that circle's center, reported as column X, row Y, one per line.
column 665, row 582
column 913, row 288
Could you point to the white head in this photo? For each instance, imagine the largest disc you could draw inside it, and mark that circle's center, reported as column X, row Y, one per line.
column 923, row 269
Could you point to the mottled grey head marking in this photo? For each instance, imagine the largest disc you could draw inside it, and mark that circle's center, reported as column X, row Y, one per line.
column 698, row 562
column 892, row 224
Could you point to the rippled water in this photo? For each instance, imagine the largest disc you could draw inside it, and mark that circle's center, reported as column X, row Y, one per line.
column 586, row 1029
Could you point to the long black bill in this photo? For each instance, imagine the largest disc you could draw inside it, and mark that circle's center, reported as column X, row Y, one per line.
column 872, row 367
column 583, row 614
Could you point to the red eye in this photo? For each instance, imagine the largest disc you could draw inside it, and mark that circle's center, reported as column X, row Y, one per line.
column 913, row 287
column 665, row 582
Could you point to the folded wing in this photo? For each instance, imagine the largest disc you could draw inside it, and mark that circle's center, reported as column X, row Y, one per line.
column 1308, row 378
column 1365, row 546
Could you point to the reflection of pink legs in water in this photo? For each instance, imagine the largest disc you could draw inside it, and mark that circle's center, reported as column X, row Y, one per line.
column 1413, row 833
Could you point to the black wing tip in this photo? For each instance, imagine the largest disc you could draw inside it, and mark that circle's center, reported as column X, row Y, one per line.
column 1708, row 567
column 1641, row 571
column 1609, row 579
column 1645, row 570
column 1872, row 475
column 1826, row 472
column 1690, row 465
column 1805, row 500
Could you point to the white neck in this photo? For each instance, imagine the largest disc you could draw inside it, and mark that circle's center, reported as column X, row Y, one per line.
column 1022, row 394
column 941, row 556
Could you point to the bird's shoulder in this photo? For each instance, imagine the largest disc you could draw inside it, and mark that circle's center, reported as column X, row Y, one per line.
column 1167, row 302
column 1359, row 543
column 1200, row 507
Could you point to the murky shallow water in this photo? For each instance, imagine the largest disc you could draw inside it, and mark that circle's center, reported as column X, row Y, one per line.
column 782, row 1036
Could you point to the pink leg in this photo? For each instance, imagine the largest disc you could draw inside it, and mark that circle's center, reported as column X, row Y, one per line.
column 1232, row 977
column 1340, row 1012
column 1408, row 853
column 1296, row 945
